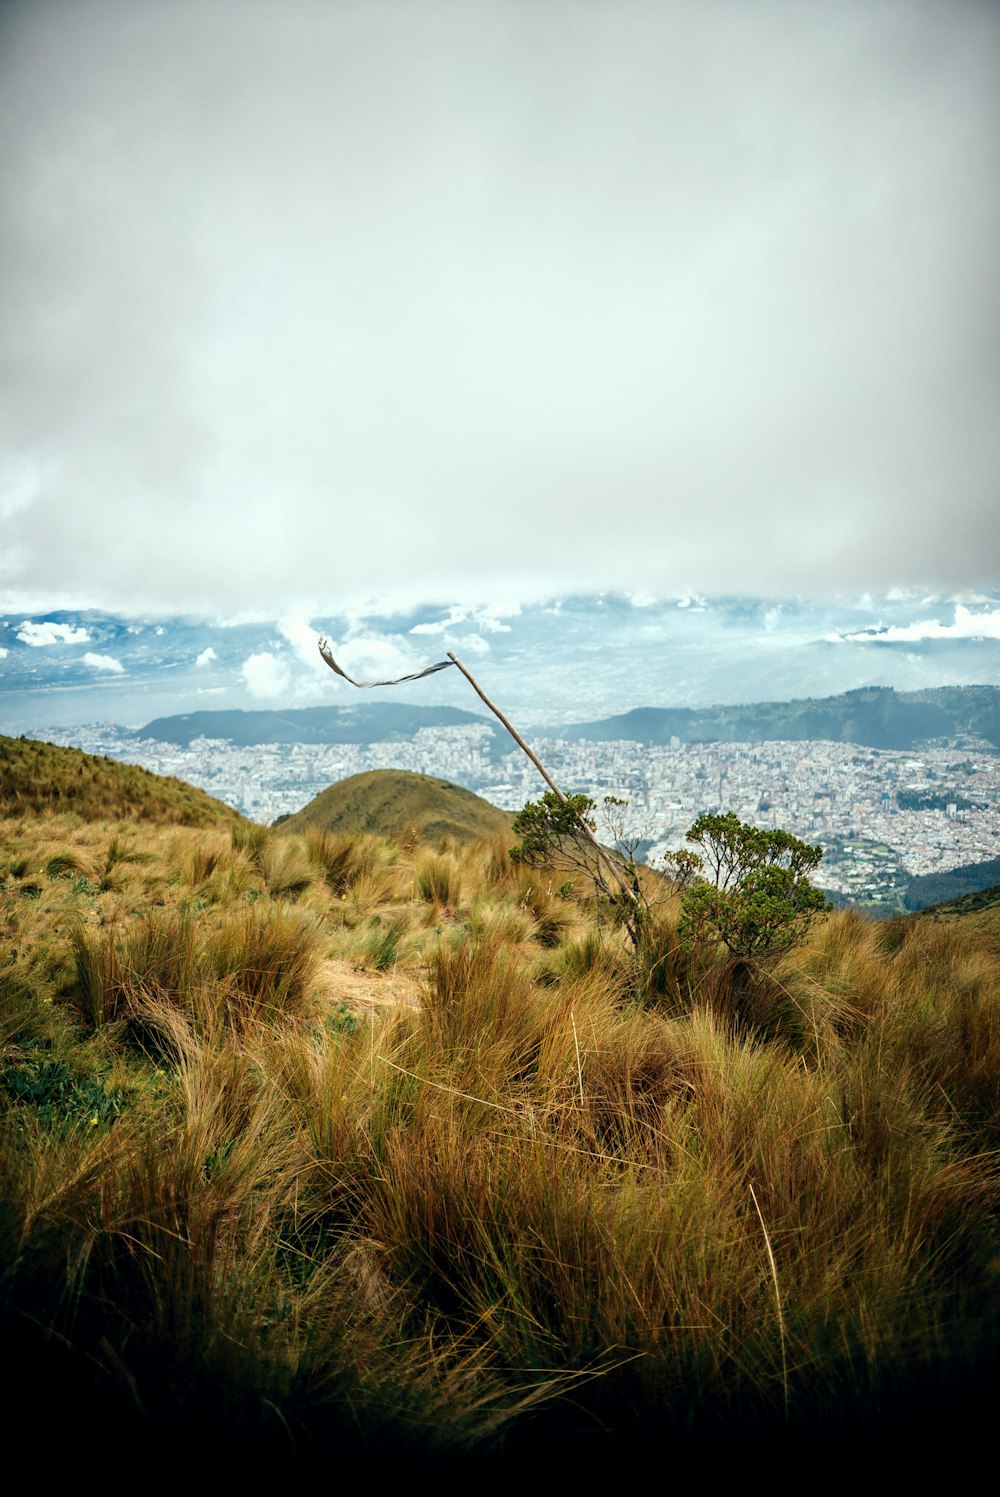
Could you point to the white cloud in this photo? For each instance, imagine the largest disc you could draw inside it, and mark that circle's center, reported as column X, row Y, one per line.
column 206, row 657
column 455, row 616
column 966, row 625
column 377, row 657
column 304, row 640
column 104, row 663
column 473, row 644
column 488, row 620
column 490, row 617
column 970, row 596
column 490, row 419
column 50, row 633
column 3, row 653
column 265, row 675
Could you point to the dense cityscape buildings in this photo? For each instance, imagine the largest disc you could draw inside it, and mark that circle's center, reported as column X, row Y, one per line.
column 881, row 816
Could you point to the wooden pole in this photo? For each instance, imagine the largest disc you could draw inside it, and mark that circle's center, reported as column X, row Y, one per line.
column 599, row 850
column 510, row 728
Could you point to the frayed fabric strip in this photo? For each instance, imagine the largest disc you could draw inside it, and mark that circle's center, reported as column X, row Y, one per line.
column 327, row 654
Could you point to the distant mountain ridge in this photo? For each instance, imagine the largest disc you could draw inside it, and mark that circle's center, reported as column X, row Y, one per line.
column 873, row 716
column 982, row 906
column 369, row 722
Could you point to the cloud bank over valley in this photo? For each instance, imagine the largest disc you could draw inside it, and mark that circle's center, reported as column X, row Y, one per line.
column 318, row 308
column 565, row 660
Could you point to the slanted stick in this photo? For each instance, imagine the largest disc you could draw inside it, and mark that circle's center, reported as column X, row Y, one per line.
column 601, row 854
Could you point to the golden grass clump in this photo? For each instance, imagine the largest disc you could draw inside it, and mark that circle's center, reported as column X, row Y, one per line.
column 437, row 880
column 576, row 1199
column 342, row 859
column 257, row 962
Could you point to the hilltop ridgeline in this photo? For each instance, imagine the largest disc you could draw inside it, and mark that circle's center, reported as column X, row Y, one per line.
column 876, row 716
column 368, row 722
column 388, row 802
column 37, row 777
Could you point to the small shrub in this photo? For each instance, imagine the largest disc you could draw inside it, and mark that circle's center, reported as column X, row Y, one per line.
column 757, row 900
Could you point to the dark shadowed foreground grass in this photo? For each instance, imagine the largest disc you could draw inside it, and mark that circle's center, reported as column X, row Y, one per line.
column 564, row 1210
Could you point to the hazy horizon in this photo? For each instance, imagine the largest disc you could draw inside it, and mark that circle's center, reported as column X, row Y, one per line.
column 329, row 310
column 563, row 660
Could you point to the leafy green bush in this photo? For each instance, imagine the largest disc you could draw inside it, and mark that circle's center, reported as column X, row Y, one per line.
column 758, row 900
column 559, row 833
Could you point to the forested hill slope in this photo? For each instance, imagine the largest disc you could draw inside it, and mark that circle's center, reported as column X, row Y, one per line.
column 876, row 716
column 368, row 722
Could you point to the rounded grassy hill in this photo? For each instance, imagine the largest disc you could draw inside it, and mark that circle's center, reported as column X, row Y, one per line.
column 385, row 802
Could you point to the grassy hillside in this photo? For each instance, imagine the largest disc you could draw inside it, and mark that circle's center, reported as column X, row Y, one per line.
column 37, row 777
column 327, row 1147
column 388, row 802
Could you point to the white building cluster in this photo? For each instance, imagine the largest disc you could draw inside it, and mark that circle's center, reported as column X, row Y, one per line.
column 850, row 799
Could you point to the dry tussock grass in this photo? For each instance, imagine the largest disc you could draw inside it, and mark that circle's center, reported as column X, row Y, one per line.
column 562, row 1192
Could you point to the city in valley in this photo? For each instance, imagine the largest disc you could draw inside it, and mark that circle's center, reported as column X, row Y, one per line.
column 881, row 816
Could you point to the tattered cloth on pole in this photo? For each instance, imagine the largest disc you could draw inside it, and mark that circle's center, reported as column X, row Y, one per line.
column 327, row 654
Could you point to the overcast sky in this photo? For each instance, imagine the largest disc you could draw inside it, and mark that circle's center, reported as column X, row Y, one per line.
column 309, row 304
